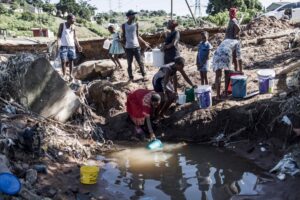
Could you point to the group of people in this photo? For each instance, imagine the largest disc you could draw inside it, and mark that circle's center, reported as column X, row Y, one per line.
column 142, row 104
column 145, row 106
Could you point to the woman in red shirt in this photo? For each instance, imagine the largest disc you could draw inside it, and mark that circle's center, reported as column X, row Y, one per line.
column 141, row 104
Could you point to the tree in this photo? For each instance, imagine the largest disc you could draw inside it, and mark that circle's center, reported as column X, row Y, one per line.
column 48, row 8
column 3, row 10
column 69, row 6
column 216, row 6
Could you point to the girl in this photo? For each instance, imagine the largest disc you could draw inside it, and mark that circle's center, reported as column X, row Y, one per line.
column 116, row 49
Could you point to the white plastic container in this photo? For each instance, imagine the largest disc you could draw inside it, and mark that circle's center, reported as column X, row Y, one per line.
column 181, row 99
column 266, row 80
column 158, row 57
column 204, row 96
column 106, row 44
column 149, row 57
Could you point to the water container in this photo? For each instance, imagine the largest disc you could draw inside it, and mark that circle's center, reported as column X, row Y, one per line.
column 204, row 97
column 239, row 86
column 9, row 184
column 266, row 80
column 155, row 144
column 89, row 174
column 148, row 58
column 190, row 95
column 181, row 99
column 233, row 73
column 106, row 44
column 158, row 57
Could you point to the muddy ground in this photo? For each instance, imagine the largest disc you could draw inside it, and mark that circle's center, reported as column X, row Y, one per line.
column 254, row 122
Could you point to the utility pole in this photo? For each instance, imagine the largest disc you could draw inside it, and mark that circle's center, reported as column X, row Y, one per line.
column 197, row 12
column 110, row 7
column 119, row 5
column 171, row 9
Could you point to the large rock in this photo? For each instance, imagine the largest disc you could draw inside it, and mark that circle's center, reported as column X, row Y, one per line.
column 95, row 69
column 106, row 96
column 36, row 85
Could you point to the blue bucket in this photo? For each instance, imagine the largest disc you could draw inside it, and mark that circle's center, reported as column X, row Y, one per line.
column 204, row 98
column 239, row 86
column 9, row 184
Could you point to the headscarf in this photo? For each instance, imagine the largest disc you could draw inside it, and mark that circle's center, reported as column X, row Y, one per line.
column 233, row 13
column 173, row 23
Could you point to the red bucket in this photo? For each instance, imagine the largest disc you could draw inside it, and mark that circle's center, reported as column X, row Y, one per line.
column 233, row 73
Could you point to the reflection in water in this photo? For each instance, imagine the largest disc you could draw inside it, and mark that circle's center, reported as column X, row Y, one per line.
column 179, row 172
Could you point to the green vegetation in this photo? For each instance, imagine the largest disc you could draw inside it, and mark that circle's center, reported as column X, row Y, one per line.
column 222, row 18
column 216, row 6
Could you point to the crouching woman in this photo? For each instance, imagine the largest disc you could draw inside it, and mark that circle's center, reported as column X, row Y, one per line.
column 141, row 106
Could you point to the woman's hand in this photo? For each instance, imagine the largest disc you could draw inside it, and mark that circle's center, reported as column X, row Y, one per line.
column 152, row 136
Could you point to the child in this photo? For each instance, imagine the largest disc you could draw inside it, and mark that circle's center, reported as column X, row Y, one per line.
column 203, row 56
column 116, row 49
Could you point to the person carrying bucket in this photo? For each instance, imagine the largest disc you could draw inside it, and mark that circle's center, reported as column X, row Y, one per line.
column 141, row 105
column 222, row 60
column 203, row 57
column 170, row 46
column 165, row 83
column 116, row 49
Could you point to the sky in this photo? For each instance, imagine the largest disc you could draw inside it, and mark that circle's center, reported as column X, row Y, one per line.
column 180, row 7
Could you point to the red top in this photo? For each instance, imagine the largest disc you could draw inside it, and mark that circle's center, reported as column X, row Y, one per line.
column 139, row 105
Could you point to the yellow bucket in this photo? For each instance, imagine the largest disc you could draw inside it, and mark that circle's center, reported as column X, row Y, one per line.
column 89, row 174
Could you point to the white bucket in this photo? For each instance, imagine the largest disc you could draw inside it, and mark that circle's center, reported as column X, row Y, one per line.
column 266, row 80
column 149, row 58
column 181, row 99
column 158, row 57
column 204, row 97
column 106, row 44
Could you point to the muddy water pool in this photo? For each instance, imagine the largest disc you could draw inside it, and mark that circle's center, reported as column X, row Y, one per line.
column 178, row 172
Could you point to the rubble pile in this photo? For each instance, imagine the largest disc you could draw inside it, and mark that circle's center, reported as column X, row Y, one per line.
column 263, row 26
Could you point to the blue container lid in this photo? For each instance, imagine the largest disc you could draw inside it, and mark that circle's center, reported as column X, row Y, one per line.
column 9, row 184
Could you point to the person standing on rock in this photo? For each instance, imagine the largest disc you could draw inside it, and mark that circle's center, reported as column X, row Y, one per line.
column 67, row 44
column 233, row 32
column 132, row 41
column 170, row 46
column 222, row 60
column 141, row 105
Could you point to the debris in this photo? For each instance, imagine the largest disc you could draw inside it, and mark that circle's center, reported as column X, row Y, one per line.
column 28, row 195
column 31, row 176
column 40, row 168
column 4, row 164
column 287, row 165
column 286, row 120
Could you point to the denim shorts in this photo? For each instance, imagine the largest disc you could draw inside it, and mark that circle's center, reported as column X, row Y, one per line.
column 67, row 53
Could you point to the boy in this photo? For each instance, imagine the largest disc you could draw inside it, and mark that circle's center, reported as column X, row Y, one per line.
column 67, row 41
column 203, row 56
column 132, row 40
